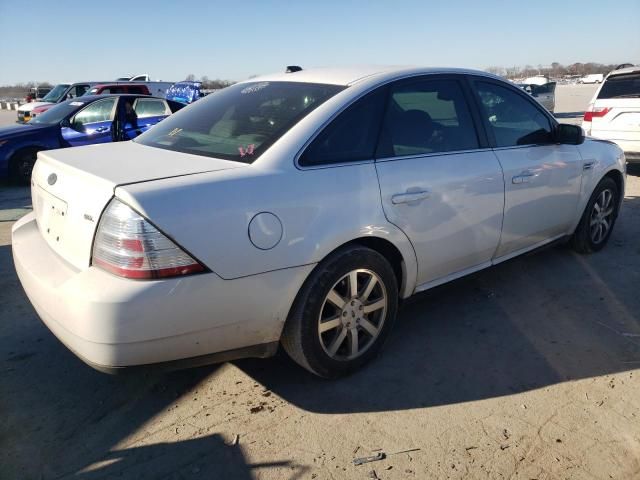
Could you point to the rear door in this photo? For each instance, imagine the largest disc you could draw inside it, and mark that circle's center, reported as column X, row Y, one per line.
column 542, row 178
column 439, row 182
column 93, row 124
column 141, row 113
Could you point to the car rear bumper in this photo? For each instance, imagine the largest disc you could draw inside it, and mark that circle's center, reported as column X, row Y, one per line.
column 631, row 148
column 112, row 322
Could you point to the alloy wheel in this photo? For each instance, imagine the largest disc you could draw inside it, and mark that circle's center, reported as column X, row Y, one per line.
column 352, row 315
column 601, row 216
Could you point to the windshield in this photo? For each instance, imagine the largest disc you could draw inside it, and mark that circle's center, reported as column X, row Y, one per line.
column 620, row 86
column 56, row 94
column 57, row 113
column 239, row 122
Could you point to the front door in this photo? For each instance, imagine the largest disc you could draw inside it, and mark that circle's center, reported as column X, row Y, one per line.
column 437, row 183
column 542, row 178
column 93, row 124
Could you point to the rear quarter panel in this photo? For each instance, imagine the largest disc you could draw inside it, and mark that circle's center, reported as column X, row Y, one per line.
column 320, row 209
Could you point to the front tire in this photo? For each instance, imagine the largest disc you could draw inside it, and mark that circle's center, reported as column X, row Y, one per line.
column 343, row 313
column 598, row 219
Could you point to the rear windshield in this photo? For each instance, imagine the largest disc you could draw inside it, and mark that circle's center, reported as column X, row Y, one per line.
column 239, row 122
column 621, row 86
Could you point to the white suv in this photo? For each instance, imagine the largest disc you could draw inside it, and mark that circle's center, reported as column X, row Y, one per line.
column 614, row 112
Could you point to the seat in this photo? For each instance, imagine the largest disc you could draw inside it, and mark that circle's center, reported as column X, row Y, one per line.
column 411, row 132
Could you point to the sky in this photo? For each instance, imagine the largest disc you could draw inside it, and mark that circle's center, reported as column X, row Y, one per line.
column 63, row 41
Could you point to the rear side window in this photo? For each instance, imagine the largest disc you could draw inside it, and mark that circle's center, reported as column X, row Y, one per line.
column 427, row 116
column 621, row 86
column 150, row 107
column 511, row 117
column 351, row 136
column 238, row 122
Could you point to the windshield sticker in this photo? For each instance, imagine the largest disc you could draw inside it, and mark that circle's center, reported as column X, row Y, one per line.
column 77, row 104
column 173, row 132
column 254, row 88
column 246, row 151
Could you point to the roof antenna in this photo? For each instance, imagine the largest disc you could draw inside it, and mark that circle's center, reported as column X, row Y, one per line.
column 293, row 69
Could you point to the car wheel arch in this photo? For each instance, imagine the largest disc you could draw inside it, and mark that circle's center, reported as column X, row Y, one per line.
column 402, row 261
column 18, row 152
column 617, row 177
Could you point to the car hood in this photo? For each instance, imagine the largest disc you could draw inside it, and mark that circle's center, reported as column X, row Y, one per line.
column 20, row 130
column 27, row 107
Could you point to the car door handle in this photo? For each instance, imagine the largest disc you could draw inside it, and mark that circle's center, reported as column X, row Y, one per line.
column 409, row 197
column 101, row 129
column 524, row 177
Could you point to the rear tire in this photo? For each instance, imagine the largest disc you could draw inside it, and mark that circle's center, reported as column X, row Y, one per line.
column 598, row 219
column 21, row 165
column 335, row 328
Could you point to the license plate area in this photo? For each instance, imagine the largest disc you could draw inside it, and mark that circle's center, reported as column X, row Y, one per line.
column 52, row 216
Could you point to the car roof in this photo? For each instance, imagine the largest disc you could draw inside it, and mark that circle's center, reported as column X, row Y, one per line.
column 349, row 75
column 624, row 71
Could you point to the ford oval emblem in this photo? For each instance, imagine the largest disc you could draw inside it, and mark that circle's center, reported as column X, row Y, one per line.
column 51, row 179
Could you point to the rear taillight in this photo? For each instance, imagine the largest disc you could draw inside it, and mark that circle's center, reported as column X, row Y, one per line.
column 595, row 112
column 127, row 245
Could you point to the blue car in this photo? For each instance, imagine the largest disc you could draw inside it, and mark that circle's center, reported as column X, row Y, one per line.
column 81, row 121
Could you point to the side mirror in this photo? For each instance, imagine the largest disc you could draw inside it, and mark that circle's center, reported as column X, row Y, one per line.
column 65, row 123
column 569, row 134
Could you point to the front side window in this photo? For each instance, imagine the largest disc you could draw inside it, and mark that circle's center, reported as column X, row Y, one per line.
column 512, row 119
column 621, row 86
column 100, row 111
column 239, row 122
column 427, row 116
column 351, row 136
column 150, row 107
column 77, row 91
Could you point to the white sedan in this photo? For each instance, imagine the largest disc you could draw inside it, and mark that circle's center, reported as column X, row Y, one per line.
column 297, row 209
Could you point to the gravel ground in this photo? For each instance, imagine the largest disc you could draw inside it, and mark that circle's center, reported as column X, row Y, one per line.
column 530, row 369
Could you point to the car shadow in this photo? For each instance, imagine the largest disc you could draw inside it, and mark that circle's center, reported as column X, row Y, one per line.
column 551, row 316
column 542, row 319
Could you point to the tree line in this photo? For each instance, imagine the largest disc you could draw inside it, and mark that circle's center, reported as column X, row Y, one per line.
column 556, row 70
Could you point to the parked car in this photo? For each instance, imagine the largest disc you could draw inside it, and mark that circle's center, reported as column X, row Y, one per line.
column 101, row 89
column 37, row 93
column 144, row 77
column 614, row 111
column 592, row 78
column 545, row 93
column 299, row 208
column 82, row 121
column 185, row 92
column 135, row 88
column 60, row 93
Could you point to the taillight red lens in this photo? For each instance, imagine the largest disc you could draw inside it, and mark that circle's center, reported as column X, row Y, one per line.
column 597, row 112
column 127, row 245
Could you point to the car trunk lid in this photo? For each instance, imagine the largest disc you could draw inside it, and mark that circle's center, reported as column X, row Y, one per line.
column 71, row 187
